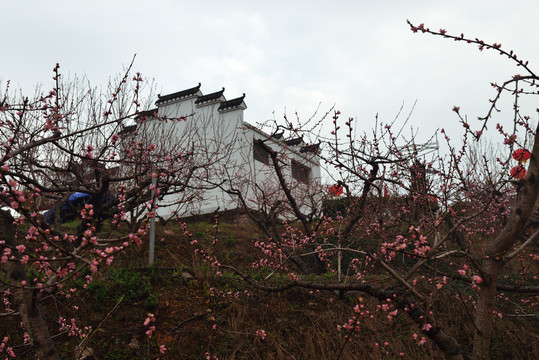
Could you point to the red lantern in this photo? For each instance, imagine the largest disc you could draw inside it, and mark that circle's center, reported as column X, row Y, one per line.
column 522, row 155
column 518, row 172
column 335, row 190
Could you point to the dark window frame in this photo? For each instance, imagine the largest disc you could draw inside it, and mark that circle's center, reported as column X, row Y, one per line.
column 260, row 153
column 301, row 172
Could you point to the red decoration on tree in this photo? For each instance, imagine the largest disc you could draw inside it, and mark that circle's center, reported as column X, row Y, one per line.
column 518, row 172
column 335, row 190
column 522, row 155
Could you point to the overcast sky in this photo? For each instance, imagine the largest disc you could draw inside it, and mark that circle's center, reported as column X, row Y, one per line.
column 359, row 55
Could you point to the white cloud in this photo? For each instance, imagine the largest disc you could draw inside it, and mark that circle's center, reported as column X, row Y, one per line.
column 359, row 55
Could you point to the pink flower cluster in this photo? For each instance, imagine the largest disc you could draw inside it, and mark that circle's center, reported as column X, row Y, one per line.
column 150, row 319
column 261, row 333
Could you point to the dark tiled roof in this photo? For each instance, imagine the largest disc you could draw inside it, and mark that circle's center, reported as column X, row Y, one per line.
column 177, row 95
column 313, row 148
column 294, row 142
column 210, row 97
column 232, row 103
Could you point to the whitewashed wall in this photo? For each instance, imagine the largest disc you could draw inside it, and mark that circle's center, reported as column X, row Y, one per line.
column 223, row 140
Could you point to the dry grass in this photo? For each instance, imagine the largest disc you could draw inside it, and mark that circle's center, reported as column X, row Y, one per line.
column 192, row 321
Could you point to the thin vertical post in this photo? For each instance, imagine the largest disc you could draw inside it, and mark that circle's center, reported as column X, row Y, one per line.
column 152, row 223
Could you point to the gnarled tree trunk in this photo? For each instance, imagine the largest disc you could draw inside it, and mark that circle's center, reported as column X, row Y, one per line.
column 26, row 299
column 496, row 255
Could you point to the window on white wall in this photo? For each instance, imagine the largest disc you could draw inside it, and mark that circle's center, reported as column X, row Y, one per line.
column 260, row 153
column 300, row 172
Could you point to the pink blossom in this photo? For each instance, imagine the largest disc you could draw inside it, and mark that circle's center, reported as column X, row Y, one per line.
column 477, row 279
column 261, row 333
column 150, row 331
column 149, row 319
column 510, row 140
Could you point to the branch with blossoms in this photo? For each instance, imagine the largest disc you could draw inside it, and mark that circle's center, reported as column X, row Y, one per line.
column 402, row 301
column 531, row 79
column 480, row 43
column 502, row 248
column 399, row 202
column 76, row 140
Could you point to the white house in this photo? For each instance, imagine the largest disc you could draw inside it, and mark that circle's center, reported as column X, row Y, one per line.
column 232, row 157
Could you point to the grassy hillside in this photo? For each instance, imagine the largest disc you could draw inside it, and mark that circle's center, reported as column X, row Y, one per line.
column 201, row 313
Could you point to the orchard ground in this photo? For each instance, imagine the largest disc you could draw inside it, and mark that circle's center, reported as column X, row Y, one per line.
column 199, row 312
